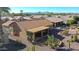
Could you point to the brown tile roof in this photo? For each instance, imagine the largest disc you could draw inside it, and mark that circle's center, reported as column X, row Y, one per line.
column 33, row 24
column 54, row 19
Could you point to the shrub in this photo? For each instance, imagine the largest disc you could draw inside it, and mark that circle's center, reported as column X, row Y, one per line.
column 65, row 32
column 76, row 18
column 46, row 43
column 53, row 42
column 33, row 48
column 71, row 21
column 75, row 38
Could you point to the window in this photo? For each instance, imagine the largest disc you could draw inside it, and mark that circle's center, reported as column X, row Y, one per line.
column 45, row 32
column 38, row 34
column 16, row 33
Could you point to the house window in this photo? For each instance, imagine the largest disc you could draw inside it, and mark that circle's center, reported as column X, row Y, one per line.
column 29, row 34
column 38, row 34
column 16, row 34
column 45, row 32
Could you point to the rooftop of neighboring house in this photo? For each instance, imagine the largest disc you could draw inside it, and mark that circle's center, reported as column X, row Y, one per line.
column 65, row 18
column 36, row 17
column 54, row 19
column 27, row 17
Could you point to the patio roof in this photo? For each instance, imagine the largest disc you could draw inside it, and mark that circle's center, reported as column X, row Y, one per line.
column 37, row 29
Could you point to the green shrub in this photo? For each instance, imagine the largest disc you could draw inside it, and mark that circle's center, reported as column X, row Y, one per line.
column 33, row 48
column 71, row 21
column 53, row 42
column 75, row 37
column 76, row 18
column 65, row 32
column 46, row 43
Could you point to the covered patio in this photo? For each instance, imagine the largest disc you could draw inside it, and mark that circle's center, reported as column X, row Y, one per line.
column 37, row 33
column 55, row 21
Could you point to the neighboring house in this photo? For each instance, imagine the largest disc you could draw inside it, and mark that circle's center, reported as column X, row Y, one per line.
column 11, row 28
column 27, row 17
column 4, row 18
column 33, row 29
column 56, row 21
column 65, row 18
column 37, row 17
column 18, row 18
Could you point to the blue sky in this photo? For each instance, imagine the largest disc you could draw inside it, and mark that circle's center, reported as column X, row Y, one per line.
column 46, row 9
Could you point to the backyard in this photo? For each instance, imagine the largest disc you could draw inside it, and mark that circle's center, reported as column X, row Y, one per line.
column 59, row 40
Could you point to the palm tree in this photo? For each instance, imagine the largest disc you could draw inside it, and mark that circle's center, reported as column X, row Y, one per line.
column 21, row 12
column 2, row 10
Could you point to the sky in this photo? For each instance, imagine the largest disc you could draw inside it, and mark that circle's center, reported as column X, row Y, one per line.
column 46, row 9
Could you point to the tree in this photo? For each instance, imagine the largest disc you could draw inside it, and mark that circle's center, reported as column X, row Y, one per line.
column 76, row 18
column 27, row 14
column 71, row 21
column 3, row 10
column 65, row 32
column 21, row 12
column 12, row 14
column 50, row 41
column 49, row 15
column 53, row 42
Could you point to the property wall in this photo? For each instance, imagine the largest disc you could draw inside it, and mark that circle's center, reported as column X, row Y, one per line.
column 6, row 35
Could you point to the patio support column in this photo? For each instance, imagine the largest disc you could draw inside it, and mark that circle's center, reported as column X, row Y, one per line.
column 48, row 32
column 33, row 37
column 55, row 24
column 41, row 33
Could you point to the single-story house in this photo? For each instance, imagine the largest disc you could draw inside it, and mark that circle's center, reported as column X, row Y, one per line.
column 33, row 29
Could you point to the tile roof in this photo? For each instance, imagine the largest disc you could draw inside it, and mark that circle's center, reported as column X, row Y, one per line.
column 33, row 24
column 54, row 19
